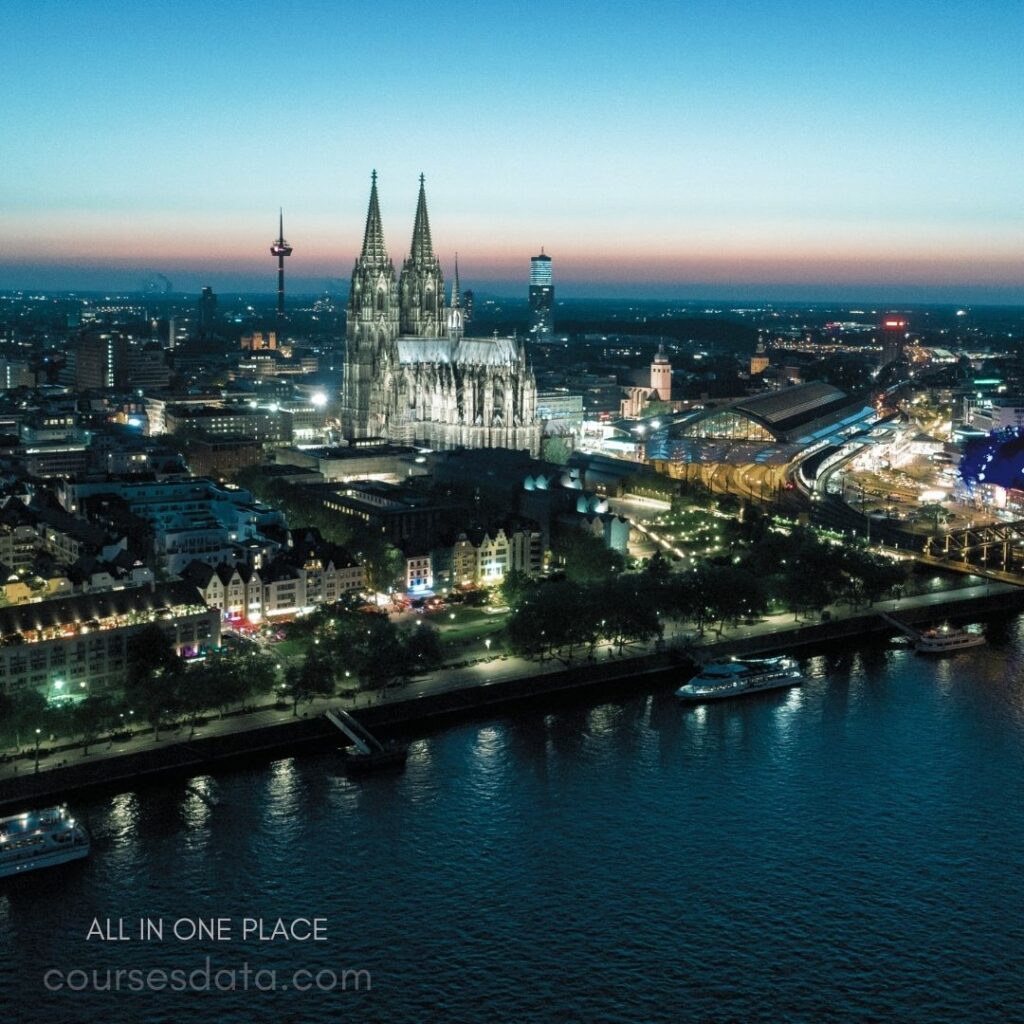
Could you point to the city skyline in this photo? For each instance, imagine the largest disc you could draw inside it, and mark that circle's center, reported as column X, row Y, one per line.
column 796, row 152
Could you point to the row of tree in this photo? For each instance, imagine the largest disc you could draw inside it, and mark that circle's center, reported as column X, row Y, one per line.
column 794, row 571
column 561, row 618
column 160, row 688
column 357, row 649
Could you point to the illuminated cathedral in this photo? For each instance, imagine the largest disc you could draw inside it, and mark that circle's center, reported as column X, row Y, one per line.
column 410, row 374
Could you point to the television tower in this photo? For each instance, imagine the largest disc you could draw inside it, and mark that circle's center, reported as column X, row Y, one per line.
column 280, row 249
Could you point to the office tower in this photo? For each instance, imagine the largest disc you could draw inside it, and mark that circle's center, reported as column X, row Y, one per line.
column 110, row 359
column 894, row 336
column 467, row 304
column 207, row 312
column 542, row 297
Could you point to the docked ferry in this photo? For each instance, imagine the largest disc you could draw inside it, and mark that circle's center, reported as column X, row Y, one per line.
column 40, row 839
column 733, row 677
column 946, row 641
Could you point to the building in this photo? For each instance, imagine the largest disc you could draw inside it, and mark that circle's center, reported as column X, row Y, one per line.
column 111, row 359
column 542, row 297
column 309, row 573
column 661, row 377
column 79, row 644
column 259, row 342
column 560, row 411
column 361, row 460
column 893, row 337
column 174, row 522
column 221, row 457
column 263, row 425
column 16, row 373
column 398, row 513
column 157, row 402
column 767, row 431
column 410, row 374
column 481, row 556
column 207, row 312
column 760, row 360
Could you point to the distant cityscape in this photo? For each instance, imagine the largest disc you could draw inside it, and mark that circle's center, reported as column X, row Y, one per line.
column 234, row 454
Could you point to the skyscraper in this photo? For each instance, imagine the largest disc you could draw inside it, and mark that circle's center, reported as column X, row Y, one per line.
column 207, row 312
column 893, row 338
column 542, row 297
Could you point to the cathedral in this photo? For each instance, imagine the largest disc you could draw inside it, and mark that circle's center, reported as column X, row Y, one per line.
column 410, row 374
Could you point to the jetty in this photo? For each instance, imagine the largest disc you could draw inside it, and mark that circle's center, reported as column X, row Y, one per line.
column 367, row 751
column 362, row 739
column 913, row 634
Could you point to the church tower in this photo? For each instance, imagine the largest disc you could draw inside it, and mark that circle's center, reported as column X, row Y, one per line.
column 661, row 376
column 371, row 327
column 456, row 321
column 421, row 285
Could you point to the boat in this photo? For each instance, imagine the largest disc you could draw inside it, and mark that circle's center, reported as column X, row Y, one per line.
column 40, row 839
column 734, row 677
column 946, row 640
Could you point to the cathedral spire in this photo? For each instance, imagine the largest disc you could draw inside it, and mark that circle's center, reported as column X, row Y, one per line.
column 373, row 238
column 456, row 293
column 422, row 248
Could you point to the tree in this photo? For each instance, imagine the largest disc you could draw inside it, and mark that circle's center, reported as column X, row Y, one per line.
column 154, row 672
column 586, row 558
column 514, row 587
column 424, row 651
column 239, row 677
column 628, row 613
column 91, row 718
column 556, row 450
column 28, row 713
column 314, row 677
column 382, row 562
column 555, row 616
column 194, row 693
column 727, row 593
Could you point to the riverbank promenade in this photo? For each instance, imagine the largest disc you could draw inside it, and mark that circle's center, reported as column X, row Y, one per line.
column 489, row 681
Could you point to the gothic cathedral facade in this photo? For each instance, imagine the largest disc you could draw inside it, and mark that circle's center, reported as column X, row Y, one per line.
column 410, row 374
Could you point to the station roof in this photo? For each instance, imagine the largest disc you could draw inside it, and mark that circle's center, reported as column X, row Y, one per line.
column 785, row 410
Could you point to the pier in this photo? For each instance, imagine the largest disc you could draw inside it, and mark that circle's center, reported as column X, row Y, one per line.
column 901, row 626
column 362, row 739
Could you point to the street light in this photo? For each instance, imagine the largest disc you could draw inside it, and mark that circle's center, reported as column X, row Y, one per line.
column 38, row 738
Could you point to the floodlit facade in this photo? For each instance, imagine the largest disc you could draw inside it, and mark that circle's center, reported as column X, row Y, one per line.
column 410, row 374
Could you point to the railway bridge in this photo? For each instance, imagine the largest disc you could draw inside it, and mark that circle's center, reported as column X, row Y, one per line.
column 997, row 548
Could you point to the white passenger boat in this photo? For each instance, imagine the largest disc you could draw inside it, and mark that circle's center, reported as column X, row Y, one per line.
column 40, row 839
column 946, row 640
column 734, row 677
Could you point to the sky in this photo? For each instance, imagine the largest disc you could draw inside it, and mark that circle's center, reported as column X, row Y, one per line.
column 777, row 149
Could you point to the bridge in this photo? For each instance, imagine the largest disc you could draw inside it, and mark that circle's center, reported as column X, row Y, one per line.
column 996, row 550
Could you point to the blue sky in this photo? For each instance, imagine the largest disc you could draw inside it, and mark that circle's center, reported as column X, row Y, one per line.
column 675, row 148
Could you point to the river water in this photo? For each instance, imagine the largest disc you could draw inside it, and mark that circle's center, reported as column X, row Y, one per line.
column 852, row 850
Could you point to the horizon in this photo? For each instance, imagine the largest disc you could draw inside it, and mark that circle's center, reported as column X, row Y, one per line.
column 872, row 304
column 801, row 151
